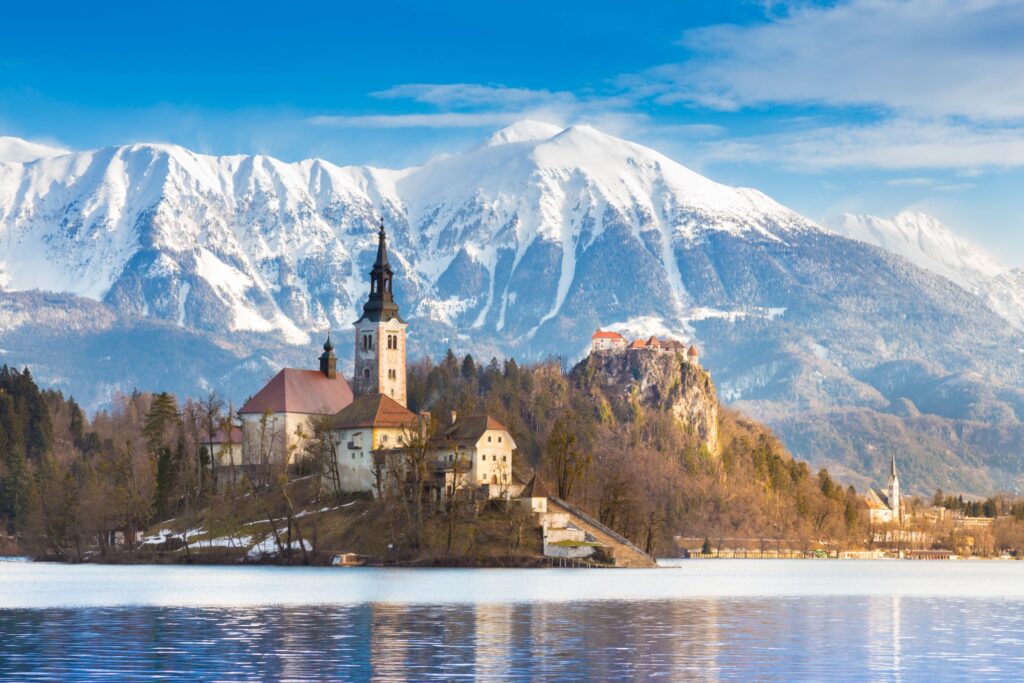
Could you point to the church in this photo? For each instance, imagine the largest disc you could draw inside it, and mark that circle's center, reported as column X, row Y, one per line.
column 369, row 420
column 886, row 506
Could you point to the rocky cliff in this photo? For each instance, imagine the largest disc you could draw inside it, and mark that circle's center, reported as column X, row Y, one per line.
column 657, row 379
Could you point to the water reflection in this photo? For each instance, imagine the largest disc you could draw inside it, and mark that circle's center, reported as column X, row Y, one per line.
column 712, row 639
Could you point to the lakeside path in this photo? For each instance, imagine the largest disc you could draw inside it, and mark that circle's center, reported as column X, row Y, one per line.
column 54, row 585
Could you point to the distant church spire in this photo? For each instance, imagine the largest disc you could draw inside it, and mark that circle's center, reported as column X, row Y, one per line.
column 895, row 502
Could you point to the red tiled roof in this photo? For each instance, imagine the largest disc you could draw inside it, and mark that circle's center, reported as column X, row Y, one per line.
column 692, row 351
column 653, row 341
column 301, row 391
column 375, row 410
column 603, row 334
column 637, row 344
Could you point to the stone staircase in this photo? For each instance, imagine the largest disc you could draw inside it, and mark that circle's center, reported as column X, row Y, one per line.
column 625, row 553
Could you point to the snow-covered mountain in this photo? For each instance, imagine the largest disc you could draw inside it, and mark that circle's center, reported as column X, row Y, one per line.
column 252, row 244
column 166, row 269
column 19, row 151
column 926, row 242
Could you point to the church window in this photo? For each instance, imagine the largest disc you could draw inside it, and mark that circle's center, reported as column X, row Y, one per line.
column 366, row 373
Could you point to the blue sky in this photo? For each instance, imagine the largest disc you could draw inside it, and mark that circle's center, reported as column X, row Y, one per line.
column 866, row 106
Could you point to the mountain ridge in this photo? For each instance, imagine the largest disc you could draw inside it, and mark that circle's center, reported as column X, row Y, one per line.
column 518, row 249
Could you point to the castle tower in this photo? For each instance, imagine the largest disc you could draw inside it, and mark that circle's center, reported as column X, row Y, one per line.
column 894, row 491
column 380, row 334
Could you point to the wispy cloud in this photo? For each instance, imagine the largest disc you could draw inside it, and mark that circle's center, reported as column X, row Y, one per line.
column 475, row 95
column 930, row 57
column 911, row 182
column 431, row 120
column 897, row 144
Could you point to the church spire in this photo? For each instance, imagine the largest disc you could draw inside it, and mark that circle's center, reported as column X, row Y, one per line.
column 892, row 468
column 380, row 305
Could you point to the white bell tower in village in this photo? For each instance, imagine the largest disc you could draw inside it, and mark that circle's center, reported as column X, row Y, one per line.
column 380, row 335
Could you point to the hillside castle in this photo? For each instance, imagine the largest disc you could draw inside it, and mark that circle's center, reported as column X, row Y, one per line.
column 604, row 340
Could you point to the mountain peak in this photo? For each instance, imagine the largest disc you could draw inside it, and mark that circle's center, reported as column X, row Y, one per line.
column 924, row 241
column 22, row 151
column 526, row 130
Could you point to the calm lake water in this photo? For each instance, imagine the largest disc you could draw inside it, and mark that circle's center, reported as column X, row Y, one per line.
column 707, row 620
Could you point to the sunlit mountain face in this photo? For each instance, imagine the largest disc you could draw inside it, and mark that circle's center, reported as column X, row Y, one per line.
column 154, row 267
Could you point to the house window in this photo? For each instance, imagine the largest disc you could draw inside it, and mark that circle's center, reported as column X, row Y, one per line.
column 488, row 439
column 499, row 439
column 504, row 458
column 494, row 458
column 384, row 438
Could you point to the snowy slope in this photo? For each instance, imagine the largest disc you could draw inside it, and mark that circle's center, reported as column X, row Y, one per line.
column 242, row 243
column 926, row 242
column 19, row 151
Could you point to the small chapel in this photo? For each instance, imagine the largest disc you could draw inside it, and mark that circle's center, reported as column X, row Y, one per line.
column 370, row 423
column 885, row 506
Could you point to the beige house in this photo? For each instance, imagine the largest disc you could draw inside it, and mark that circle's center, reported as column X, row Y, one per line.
column 486, row 448
column 370, row 423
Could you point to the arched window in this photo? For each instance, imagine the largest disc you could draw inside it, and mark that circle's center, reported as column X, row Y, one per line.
column 366, row 373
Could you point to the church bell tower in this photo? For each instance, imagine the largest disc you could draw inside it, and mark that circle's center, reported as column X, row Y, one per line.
column 895, row 503
column 380, row 334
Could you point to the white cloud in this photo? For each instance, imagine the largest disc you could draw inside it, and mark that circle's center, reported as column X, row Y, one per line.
column 897, row 144
column 961, row 58
column 459, row 95
column 911, row 182
column 432, row 120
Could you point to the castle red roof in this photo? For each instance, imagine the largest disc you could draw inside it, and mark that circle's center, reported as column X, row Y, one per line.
column 300, row 391
column 637, row 344
column 692, row 351
column 604, row 334
column 653, row 341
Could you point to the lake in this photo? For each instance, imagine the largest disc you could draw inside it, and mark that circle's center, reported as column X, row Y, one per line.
column 700, row 619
